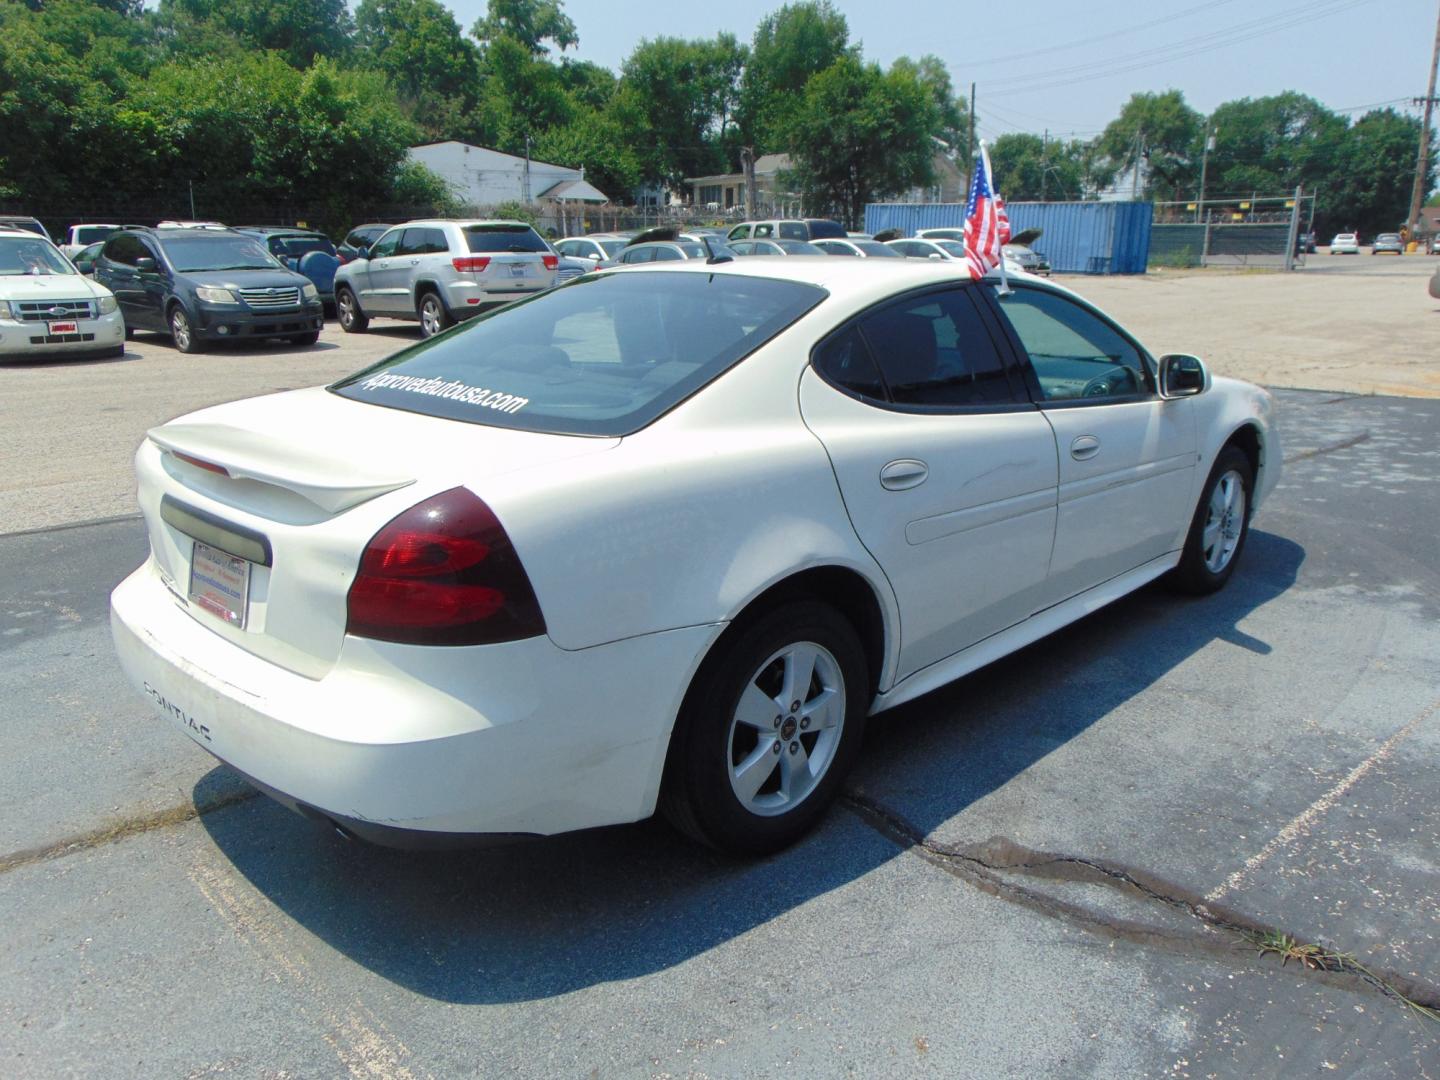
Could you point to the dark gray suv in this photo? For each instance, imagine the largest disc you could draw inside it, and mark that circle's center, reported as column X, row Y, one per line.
column 206, row 285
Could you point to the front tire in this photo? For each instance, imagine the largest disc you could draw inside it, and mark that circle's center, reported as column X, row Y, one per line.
column 183, row 333
column 770, row 727
column 1220, row 526
column 347, row 311
column 433, row 316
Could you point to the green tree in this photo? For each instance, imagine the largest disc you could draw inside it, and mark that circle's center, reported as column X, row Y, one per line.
column 954, row 121
column 299, row 29
column 522, row 95
column 1164, row 132
column 1370, row 187
column 673, row 104
column 594, row 141
column 420, row 48
column 529, row 22
column 1271, row 144
column 790, row 46
column 859, row 134
column 1027, row 168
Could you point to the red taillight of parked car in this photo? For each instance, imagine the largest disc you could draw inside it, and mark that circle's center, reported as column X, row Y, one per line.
column 550, row 261
column 443, row 573
column 472, row 264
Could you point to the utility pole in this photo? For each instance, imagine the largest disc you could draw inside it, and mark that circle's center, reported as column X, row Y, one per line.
column 1422, row 159
column 1293, row 233
column 1204, row 165
column 1044, row 164
column 970, row 147
column 1135, row 181
column 525, row 188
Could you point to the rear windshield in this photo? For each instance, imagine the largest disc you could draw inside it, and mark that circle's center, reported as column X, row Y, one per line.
column 217, row 253
column 604, row 355
column 91, row 234
column 295, row 246
column 492, row 238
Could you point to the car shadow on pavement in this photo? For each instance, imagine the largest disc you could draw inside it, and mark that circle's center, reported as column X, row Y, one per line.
column 64, row 362
column 538, row 919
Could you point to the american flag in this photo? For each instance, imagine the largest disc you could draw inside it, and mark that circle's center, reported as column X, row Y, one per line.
column 987, row 226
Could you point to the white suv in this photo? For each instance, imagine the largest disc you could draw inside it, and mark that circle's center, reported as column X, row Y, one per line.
column 438, row 272
column 47, row 308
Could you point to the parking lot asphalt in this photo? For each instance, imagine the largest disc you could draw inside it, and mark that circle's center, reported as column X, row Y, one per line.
column 1067, row 864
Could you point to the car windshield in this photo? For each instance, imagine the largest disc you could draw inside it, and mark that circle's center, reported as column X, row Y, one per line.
column 190, row 253
column 1388, row 238
column 603, row 355
column 493, row 238
column 1016, row 251
column 20, row 255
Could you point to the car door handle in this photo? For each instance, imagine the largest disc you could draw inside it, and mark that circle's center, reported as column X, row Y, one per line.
column 903, row 474
column 1084, row 446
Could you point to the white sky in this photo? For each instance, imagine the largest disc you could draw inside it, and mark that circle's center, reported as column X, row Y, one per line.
column 1344, row 53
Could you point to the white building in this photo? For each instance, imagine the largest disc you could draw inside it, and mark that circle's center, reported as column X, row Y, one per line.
column 482, row 177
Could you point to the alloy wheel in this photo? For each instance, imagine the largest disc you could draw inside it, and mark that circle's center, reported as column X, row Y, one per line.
column 786, row 728
column 1224, row 521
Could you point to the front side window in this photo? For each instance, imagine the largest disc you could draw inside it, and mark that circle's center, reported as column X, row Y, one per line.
column 1075, row 354
column 638, row 255
column 831, row 248
column 387, row 244
column 605, row 355
column 739, row 232
column 124, row 249
column 667, row 254
column 927, row 350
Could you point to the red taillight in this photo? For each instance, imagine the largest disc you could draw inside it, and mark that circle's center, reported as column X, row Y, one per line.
column 443, row 573
column 471, row 263
column 550, row 261
column 342, row 257
column 208, row 466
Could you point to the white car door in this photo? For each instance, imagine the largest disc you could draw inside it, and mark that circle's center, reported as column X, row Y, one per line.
column 947, row 469
column 1127, row 457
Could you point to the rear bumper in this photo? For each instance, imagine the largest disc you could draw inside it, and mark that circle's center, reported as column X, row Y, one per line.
column 520, row 738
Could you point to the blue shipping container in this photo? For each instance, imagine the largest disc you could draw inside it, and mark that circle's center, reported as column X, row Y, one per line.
column 1077, row 237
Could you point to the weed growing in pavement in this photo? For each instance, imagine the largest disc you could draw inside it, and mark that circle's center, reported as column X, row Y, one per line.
column 1314, row 957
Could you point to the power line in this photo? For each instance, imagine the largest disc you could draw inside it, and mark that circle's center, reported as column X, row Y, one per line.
column 1081, row 42
column 1180, row 50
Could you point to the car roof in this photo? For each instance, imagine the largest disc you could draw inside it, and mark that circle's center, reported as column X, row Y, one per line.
column 849, row 279
column 463, row 222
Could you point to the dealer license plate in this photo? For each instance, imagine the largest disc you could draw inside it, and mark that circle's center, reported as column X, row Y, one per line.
column 220, row 583
column 518, row 269
column 63, row 328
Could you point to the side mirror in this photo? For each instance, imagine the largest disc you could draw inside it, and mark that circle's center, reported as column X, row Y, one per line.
column 1183, row 375
column 362, row 251
column 145, row 264
column 935, row 257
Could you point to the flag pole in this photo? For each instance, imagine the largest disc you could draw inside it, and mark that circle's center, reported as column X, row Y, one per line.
column 995, row 194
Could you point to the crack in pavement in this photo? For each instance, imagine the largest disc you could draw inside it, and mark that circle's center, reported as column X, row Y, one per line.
column 1344, row 444
column 989, row 866
column 161, row 819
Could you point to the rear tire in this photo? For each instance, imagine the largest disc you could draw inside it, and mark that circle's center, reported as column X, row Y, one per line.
column 347, row 311
column 749, row 773
column 433, row 316
column 1219, row 528
column 183, row 333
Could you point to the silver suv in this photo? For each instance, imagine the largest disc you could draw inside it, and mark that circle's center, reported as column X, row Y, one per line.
column 438, row 272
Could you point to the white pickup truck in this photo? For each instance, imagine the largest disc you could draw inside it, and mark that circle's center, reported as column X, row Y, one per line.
column 79, row 237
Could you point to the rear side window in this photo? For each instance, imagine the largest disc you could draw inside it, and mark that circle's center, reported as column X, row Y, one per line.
column 929, row 350
column 638, row 255
column 823, row 227
column 490, row 239
column 764, row 229
column 423, row 241
column 837, row 249
column 794, row 230
column 877, row 250
column 602, row 356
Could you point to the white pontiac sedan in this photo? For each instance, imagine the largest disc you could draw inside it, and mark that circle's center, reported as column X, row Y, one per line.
column 48, row 310
column 665, row 537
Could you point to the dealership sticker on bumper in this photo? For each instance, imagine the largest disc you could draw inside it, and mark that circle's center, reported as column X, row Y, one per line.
column 220, row 583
